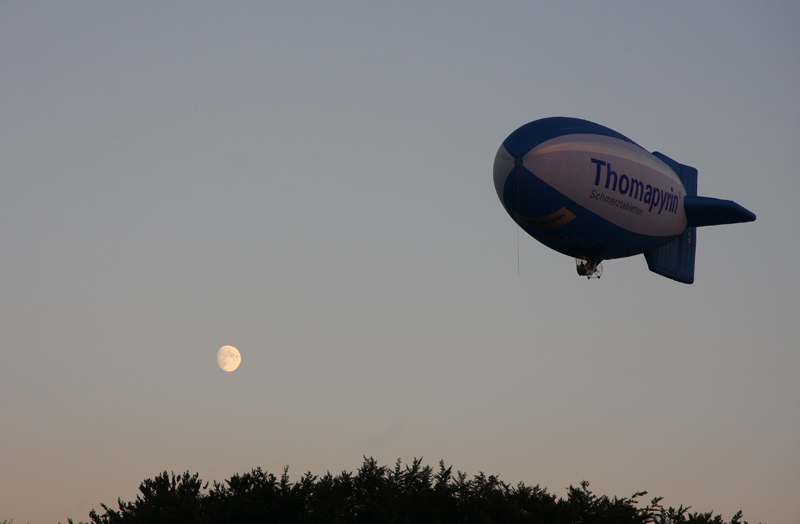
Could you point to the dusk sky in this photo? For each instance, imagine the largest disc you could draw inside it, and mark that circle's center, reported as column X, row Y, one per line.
column 311, row 182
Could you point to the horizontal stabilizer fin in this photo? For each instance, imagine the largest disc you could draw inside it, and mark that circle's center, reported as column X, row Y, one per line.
column 705, row 211
column 676, row 259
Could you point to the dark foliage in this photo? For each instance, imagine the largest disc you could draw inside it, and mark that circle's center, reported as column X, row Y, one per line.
column 379, row 494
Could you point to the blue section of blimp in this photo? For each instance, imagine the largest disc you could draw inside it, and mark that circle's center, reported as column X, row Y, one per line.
column 531, row 135
column 525, row 195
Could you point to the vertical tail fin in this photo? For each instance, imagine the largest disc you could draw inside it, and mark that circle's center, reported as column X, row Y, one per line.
column 676, row 259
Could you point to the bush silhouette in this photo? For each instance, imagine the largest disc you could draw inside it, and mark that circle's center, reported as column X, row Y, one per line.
column 410, row 493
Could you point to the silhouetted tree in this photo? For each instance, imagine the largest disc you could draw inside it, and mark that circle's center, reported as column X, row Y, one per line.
column 165, row 499
column 410, row 493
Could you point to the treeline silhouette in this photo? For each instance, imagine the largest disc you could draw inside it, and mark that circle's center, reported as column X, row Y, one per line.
column 410, row 493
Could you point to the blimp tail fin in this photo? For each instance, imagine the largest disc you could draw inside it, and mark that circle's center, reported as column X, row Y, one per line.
column 706, row 211
column 676, row 259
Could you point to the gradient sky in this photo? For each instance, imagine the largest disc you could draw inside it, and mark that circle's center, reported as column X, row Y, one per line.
column 312, row 183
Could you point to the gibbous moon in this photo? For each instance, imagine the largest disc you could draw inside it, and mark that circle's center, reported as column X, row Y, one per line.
column 228, row 358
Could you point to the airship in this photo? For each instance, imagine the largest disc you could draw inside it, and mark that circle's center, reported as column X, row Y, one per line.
column 593, row 194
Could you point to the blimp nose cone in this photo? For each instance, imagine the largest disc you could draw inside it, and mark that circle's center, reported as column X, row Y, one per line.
column 504, row 165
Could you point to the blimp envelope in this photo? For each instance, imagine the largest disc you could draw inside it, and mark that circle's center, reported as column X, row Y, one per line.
column 587, row 191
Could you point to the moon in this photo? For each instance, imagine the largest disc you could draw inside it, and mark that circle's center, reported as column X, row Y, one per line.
column 228, row 358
